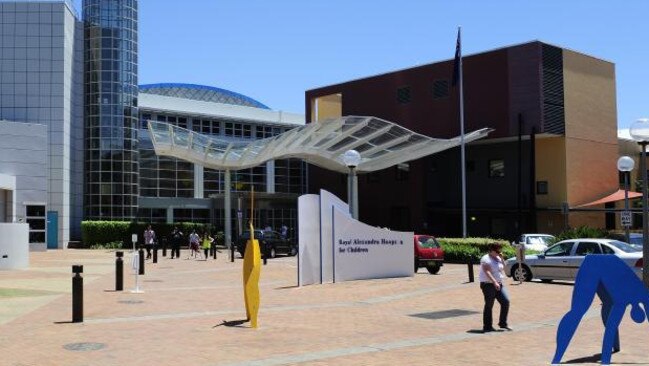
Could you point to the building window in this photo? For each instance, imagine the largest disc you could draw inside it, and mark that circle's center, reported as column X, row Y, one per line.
column 440, row 89
column 403, row 95
column 496, row 168
column 542, row 187
column 35, row 217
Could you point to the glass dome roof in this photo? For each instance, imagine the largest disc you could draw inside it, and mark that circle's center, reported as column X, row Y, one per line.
column 201, row 92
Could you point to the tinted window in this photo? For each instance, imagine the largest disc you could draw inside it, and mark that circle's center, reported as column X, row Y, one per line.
column 560, row 249
column 607, row 250
column 428, row 242
column 623, row 246
column 585, row 248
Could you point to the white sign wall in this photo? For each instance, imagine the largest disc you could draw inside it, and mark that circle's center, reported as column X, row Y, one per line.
column 327, row 201
column 308, row 223
column 363, row 251
column 334, row 247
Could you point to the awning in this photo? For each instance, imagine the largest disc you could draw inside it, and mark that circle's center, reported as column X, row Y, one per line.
column 381, row 144
column 613, row 197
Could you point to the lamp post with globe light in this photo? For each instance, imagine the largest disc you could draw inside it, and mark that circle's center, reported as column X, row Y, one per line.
column 639, row 132
column 352, row 158
column 625, row 164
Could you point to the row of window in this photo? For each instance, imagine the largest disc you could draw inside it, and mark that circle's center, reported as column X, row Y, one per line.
column 215, row 127
column 439, row 90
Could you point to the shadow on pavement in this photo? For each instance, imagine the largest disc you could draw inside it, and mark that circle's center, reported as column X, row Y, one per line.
column 286, row 287
column 232, row 323
column 480, row 331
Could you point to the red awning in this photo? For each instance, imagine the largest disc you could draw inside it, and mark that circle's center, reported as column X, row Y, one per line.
column 613, row 197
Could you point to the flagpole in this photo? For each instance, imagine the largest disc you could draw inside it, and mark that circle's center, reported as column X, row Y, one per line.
column 462, row 152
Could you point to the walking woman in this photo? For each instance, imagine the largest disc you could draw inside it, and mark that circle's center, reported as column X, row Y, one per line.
column 492, row 273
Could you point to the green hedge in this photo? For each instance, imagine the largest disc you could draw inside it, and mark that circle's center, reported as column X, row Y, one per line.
column 98, row 233
column 459, row 250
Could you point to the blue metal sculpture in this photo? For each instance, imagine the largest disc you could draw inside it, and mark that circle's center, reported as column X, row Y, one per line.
column 617, row 287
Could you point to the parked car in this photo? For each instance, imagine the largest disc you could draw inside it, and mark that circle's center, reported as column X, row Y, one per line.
column 428, row 253
column 635, row 240
column 538, row 242
column 270, row 242
column 562, row 260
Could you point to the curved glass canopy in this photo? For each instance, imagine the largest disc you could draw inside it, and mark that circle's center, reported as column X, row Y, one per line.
column 382, row 144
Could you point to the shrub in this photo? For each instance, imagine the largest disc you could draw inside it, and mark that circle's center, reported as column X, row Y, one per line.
column 95, row 233
column 459, row 250
column 582, row 232
column 111, row 245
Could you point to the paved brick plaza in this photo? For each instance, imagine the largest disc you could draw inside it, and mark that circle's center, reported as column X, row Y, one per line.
column 178, row 320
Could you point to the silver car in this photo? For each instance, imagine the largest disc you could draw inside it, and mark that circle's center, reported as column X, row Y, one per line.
column 562, row 260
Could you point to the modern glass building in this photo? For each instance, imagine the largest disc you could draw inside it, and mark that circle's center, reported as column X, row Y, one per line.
column 111, row 114
column 72, row 123
column 173, row 190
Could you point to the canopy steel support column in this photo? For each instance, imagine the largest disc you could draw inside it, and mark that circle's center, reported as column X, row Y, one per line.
column 228, row 210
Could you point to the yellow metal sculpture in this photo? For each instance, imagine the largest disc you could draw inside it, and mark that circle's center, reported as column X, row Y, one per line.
column 251, row 271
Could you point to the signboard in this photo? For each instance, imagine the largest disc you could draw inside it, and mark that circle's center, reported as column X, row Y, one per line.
column 625, row 218
column 363, row 252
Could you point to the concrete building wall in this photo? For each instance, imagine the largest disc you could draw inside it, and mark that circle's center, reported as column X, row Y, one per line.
column 38, row 52
column 23, row 155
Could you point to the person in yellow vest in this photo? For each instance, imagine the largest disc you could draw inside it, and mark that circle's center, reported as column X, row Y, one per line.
column 207, row 244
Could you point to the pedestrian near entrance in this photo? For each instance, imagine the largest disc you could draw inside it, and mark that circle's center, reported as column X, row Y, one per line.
column 149, row 240
column 492, row 273
column 194, row 239
column 176, row 241
column 207, row 244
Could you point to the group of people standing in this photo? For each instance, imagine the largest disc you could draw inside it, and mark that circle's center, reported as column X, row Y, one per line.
column 176, row 239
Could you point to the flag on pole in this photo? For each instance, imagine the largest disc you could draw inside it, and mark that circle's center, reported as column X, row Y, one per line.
column 456, row 63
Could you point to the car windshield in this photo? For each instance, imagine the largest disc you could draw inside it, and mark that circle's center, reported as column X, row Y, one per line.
column 428, row 242
column 545, row 240
column 624, row 246
column 635, row 240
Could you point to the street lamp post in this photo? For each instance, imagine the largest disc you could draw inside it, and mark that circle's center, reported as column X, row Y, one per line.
column 625, row 164
column 639, row 131
column 352, row 158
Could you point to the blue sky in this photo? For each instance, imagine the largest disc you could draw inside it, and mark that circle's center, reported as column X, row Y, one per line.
column 274, row 50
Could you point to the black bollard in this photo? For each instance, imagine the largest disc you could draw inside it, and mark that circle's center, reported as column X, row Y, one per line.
column 164, row 247
column 119, row 272
column 155, row 254
column 77, row 294
column 231, row 252
column 470, row 271
column 141, row 255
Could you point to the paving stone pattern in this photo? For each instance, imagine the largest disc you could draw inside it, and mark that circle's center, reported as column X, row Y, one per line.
column 192, row 312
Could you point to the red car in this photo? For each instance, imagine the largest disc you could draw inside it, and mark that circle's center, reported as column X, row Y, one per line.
column 428, row 253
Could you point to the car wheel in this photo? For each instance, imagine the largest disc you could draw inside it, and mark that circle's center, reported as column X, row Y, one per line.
column 293, row 252
column 416, row 264
column 521, row 273
column 433, row 269
column 273, row 254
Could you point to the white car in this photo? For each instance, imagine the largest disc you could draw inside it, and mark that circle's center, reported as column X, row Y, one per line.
column 562, row 260
column 538, row 242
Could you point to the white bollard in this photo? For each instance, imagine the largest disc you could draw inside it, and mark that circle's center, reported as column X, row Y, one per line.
column 136, row 269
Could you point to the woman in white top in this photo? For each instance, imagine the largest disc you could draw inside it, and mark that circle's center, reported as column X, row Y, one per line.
column 492, row 273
